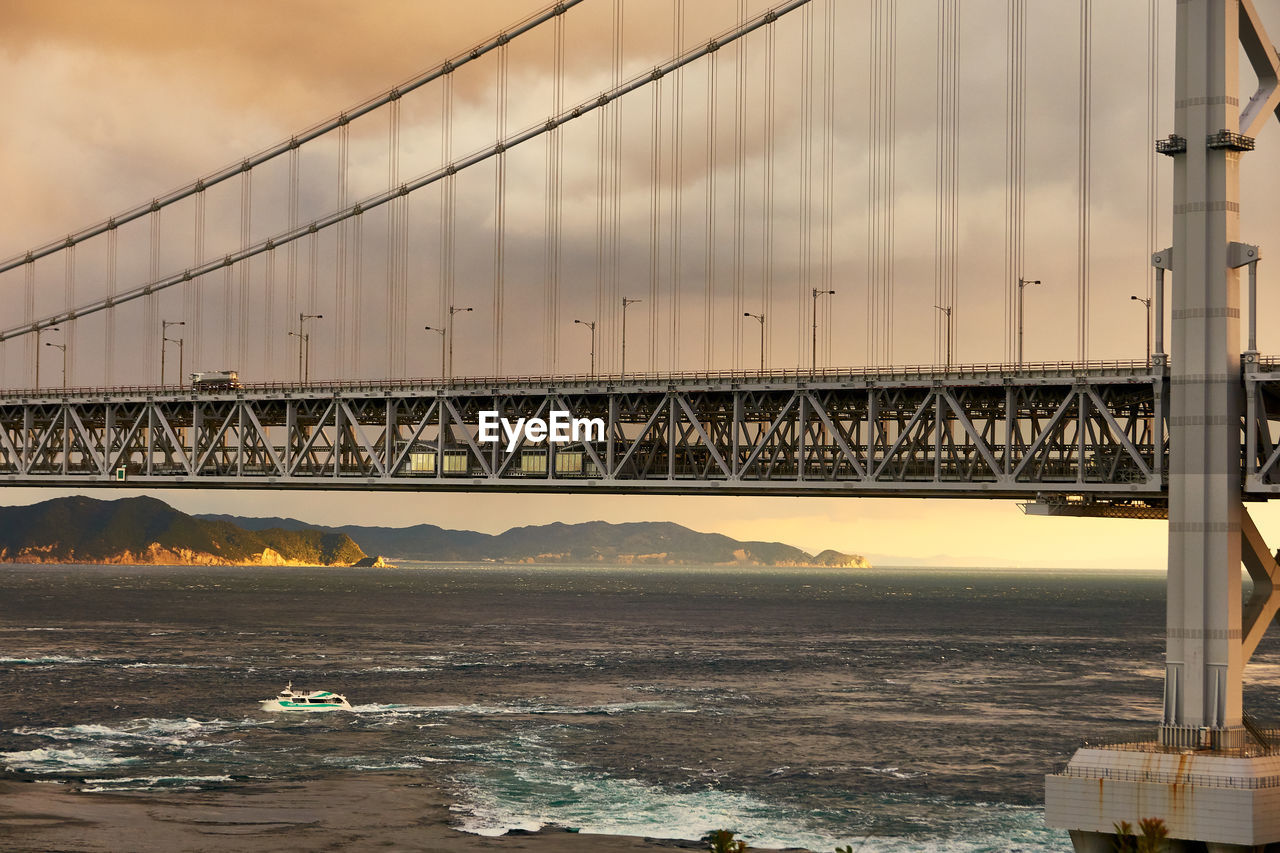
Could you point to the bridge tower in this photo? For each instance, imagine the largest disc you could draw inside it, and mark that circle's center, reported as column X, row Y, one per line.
column 1210, row 774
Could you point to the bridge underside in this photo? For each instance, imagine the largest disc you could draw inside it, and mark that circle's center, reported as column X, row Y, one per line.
column 1095, row 432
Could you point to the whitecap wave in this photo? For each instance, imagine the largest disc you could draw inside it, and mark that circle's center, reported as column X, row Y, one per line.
column 528, row 708
column 48, row 660
column 153, row 783
column 894, row 772
column 408, row 762
column 49, row 760
column 147, row 732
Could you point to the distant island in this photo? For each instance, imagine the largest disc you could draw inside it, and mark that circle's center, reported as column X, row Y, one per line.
column 147, row 531
column 635, row 543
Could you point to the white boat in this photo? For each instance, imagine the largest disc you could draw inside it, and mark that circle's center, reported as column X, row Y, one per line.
column 316, row 700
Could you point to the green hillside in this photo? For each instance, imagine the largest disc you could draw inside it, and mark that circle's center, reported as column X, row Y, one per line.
column 143, row 529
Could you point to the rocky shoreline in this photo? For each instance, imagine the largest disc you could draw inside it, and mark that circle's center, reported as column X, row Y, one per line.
column 366, row 812
column 155, row 555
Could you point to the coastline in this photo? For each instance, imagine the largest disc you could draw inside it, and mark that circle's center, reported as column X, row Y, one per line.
column 171, row 560
column 388, row 811
column 157, row 555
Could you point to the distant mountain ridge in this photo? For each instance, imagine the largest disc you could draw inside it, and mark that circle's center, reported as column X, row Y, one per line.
column 147, row 531
column 644, row 542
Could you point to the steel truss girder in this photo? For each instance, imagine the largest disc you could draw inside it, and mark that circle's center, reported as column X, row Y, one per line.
column 1261, row 431
column 1017, row 436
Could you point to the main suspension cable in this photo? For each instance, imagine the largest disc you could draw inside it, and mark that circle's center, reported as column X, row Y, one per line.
column 314, row 132
column 379, row 199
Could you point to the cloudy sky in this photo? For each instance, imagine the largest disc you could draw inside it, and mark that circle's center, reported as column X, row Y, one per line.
column 113, row 104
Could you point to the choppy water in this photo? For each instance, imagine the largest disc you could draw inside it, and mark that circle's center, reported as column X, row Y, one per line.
column 903, row 710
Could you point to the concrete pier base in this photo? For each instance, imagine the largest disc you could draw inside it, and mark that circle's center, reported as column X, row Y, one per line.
column 1105, row 842
column 1092, row 842
column 1215, row 801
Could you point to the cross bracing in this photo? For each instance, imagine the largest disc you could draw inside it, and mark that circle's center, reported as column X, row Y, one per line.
column 1262, row 427
column 1097, row 431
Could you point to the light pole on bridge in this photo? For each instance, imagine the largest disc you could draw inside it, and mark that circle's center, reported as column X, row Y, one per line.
column 40, row 332
column 813, row 365
column 947, row 311
column 164, row 336
column 62, row 347
column 181, row 342
column 439, row 330
column 1147, row 303
column 449, row 334
column 760, row 319
column 1022, row 283
column 626, row 300
column 304, row 347
column 591, row 324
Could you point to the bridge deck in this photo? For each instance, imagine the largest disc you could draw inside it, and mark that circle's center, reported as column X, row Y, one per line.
column 1047, row 431
column 974, row 430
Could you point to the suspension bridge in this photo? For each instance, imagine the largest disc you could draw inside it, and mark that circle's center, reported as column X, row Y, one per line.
column 697, row 181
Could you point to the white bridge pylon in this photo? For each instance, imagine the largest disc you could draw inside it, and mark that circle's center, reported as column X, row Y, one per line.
column 1211, row 775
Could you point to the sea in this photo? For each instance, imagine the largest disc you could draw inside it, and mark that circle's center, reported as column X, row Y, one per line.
column 886, row 709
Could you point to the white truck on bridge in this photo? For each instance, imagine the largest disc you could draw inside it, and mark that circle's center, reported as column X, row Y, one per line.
column 215, row 380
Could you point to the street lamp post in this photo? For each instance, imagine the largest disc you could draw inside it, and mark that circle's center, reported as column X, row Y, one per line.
column 439, row 330
column 1022, row 283
column 450, row 334
column 1147, row 304
column 40, row 332
column 947, row 312
column 62, row 347
column 180, row 342
column 591, row 324
column 813, row 367
column 304, row 346
column 759, row 318
column 625, row 302
column 164, row 336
